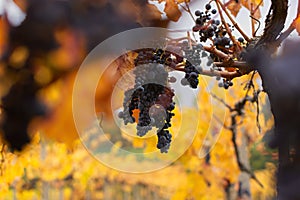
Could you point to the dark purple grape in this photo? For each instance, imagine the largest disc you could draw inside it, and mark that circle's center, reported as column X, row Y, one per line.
column 207, row 6
column 198, row 13
column 241, row 40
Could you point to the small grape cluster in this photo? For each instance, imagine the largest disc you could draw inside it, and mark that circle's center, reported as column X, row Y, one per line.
column 191, row 76
column 204, row 24
column 192, row 64
column 151, row 55
column 151, row 96
column 209, row 28
column 194, row 54
column 225, row 83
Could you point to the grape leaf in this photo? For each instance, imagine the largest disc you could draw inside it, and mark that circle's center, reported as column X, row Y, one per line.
column 254, row 4
column 172, row 10
column 235, row 7
column 297, row 24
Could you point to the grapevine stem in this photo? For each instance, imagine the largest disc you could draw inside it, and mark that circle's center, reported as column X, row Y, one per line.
column 236, row 44
column 291, row 28
column 181, row 39
column 233, row 21
column 233, row 129
column 2, row 159
column 188, row 10
column 220, row 54
column 252, row 21
column 257, row 7
column 214, row 73
column 237, row 64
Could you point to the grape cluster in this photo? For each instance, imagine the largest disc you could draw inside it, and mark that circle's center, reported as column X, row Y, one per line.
column 204, row 24
column 151, row 96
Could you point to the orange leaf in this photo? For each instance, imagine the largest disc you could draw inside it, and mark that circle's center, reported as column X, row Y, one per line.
column 172, row 10
column 234, row 8
column 230, row 69
column 255, row 3
column 297, row 24
column 182, row 1
column 3, row 34
column 135, row 114
column 153, row 12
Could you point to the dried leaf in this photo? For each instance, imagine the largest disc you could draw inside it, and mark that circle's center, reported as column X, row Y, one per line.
column 297, row 24
column 182, row 1
column 152, row 12
column 148, row 13
column 255, row 3
column 172, row 10
column 234, row 8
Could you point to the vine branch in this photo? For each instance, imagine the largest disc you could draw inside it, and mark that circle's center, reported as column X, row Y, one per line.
column 237, row 110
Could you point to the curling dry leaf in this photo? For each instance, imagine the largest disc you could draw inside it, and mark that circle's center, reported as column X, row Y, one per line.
column 172, row 10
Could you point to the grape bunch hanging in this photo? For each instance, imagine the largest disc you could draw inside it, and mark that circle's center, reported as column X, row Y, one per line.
column 151, row 96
